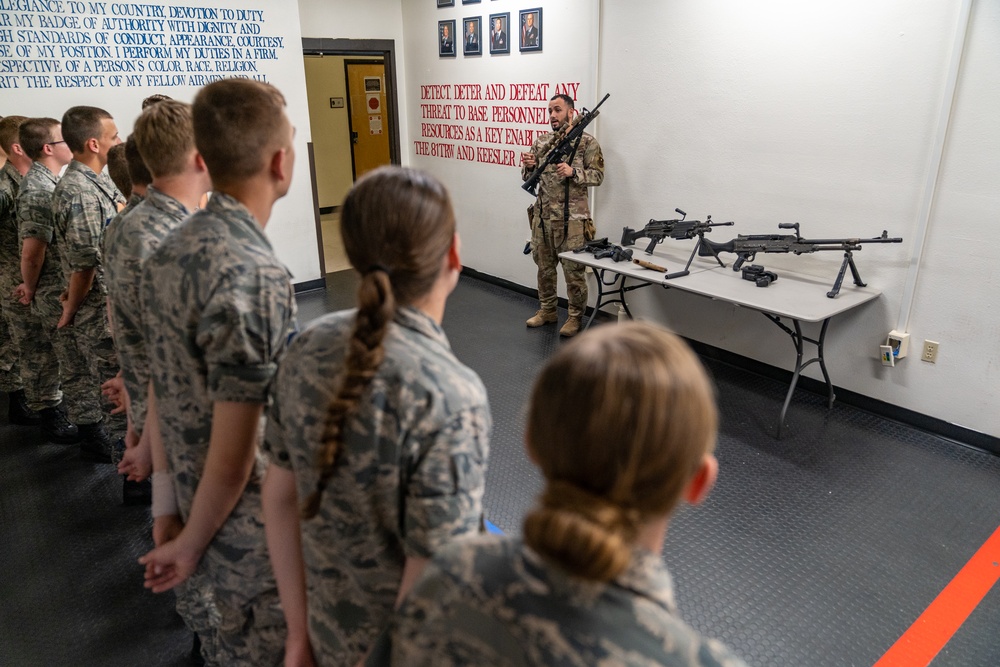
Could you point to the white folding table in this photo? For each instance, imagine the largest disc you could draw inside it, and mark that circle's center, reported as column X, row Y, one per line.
column 794, row 297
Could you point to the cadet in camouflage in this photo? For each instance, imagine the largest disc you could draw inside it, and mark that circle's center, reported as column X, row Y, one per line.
column 378, row 395
column 10, row 258
column 587, row 584
column 83, row 203
column 217, row 312
column 560, row 217
column 412, row 477
column 218, row 309
column 37, row 338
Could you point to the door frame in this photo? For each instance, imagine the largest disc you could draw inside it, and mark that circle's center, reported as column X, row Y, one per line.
column 350, row 115
column 386, row 48
column 325, row 46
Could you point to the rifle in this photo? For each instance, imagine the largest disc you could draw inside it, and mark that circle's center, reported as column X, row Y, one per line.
column 657, row 230
column 747, row 247
column 594, row 245
column 564, row 145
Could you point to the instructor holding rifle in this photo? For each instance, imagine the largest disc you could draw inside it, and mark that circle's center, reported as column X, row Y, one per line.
column 560, row 167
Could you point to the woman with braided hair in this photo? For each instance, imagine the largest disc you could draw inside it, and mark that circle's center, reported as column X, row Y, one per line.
column 622, row 424
column 377, row 433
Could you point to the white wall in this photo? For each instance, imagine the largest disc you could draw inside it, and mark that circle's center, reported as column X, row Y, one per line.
column 489, row 202
column 822, row 113
column 772, row 111
column 292, row 228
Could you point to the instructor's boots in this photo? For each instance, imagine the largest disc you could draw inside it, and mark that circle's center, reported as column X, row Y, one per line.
column 57, row 428
column 95, row 443
column 19, row 414
column 572, row 326
column 542, row 317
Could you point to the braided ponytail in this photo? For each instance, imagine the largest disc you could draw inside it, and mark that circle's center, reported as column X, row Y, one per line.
column 397, row 226
column 376, row 305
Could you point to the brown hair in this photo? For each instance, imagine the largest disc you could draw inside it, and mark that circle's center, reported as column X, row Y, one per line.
column 118, row 170
column 8, row 132
column 34, row 134
column 164, row 136
column 138, row 172
column 397, row 225
column 154, row 99
column 81, row 124
column 236, row 122
column 619, row 422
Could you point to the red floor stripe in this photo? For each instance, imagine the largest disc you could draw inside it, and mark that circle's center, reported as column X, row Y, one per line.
column 933, row 628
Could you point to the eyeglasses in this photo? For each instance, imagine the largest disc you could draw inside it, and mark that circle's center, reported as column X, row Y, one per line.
column 53, row 143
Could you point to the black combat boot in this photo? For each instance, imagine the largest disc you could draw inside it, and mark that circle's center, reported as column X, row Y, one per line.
column 19, row 414
column 137, row 493
column 95, row 443
column 57, row 428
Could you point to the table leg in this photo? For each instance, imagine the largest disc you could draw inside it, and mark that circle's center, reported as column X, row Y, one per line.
column 617, row 292
column 798, row 339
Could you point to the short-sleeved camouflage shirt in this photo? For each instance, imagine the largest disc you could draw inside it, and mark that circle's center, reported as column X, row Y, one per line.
column 83, row 204
column 493, row 601
column 10, row 254
column 217, row 312
column 589, row 164
column 129, row 240
column 35, row 221
column 133, row 201
column 410, row 478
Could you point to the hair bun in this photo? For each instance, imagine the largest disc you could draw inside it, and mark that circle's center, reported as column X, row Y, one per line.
column 585, row 533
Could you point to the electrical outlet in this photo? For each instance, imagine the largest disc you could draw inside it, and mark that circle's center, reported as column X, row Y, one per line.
column 930, row 351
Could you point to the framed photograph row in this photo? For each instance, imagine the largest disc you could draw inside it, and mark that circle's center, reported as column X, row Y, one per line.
column 529, row 31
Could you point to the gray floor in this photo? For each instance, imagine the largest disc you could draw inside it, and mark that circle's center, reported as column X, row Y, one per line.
column 819, row 549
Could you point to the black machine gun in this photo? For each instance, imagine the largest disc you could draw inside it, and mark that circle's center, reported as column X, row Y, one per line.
column 657, row 230
column 747, row 247
column 565, row 143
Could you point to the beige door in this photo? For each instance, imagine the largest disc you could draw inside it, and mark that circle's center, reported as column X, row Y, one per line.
column 369, row 115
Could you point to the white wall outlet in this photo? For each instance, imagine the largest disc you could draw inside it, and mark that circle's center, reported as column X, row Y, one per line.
column 885, row 353
column 899, row 341
column 930, row 351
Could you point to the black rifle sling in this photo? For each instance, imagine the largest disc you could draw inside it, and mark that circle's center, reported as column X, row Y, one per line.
column 566, row 191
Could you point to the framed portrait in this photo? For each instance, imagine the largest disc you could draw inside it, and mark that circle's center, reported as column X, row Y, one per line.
column 446, row 3
column 500, row 33
column 472, row 36
column 531, row 29
column 446, row 39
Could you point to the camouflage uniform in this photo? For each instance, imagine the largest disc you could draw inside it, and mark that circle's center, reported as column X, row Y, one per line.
column 36, row 340
column 560, row 219
column 128, row 241
column 493, row 601
column 10, row 276
column 410, row 478
column 218, row 309
column 83, row 203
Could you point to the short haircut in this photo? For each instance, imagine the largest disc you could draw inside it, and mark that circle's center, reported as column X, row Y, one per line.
column 138, row 171
column 564, row 97
column 236, row 123
column 153, row 99
column 9, row 127
column 164, row 136
column 118, row 170
column 34, row 134
column 81, row 124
